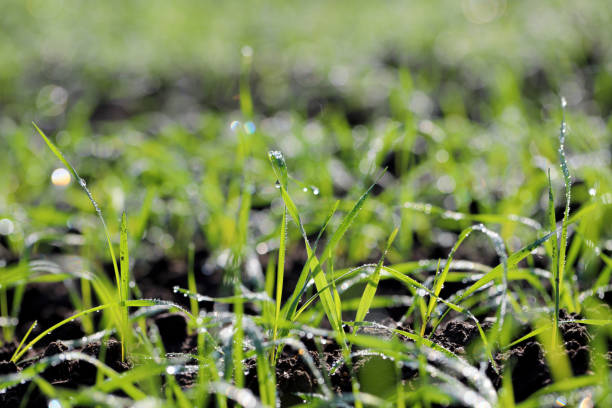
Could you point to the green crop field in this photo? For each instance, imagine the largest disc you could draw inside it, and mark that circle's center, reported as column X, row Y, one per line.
column 268, row 203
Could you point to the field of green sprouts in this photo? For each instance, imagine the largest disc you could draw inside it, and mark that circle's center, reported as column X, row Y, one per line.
column 285, row 204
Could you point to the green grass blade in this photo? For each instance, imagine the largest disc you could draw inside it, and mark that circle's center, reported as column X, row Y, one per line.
column 83, row 184
column 439, row 283
column 280, row 273
column 191, row 282
column 25, row 337
column 372, row 285
column 124, row 259
column 568, row 192
column 290, row 307
column 459, row 216
column 552, row 223
column 280, row 169
column 513, row 259
column 346, row 223
column 55, row 326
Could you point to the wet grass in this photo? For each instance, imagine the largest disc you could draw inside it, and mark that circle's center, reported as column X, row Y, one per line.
column 327, row 229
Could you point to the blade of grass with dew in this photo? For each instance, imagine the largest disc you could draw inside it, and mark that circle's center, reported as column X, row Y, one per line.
column 280, row 273
column 23, row 340
column 334, row 289
column 347, row 221
column 568, row 192
column 372, row 285
column 459, row 216
column 318, row 274
column 83, row 184
column 552, row 222
column 513, row 259
column 500, row 249
column 290, row 307
column 191, row 283
column 412, row 282
column 130, row 303
column 280, row 169
column 124, row 259
column 439, row 282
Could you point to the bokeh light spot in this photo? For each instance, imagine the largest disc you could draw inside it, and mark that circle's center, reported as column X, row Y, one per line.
column 60, row 177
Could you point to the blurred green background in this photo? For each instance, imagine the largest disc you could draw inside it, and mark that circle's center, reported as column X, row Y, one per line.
column 460, row 99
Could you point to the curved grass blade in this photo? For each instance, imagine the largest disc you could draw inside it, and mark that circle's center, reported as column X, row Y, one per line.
column 290, row 307
column 129, row 303
column 83, row 184
column 25, row 337
column 370, row 290
column 439, row 283
column 459, row 216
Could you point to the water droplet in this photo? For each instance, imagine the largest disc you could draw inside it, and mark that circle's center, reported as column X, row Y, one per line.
column 54, row 404
column 563, row 102
column 277, row 184
column 592, row 192
column 247, row 51
column 6, row 226
column 315, row 190
column 60, row 177
column 234, row 125
column 249, row 127
column 305, row 189
column 586, row 402
column 171, row 370
column 175, row 289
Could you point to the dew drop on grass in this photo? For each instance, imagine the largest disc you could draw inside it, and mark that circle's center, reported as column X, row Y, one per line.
column 249, row 128
column 247, row 51
column 305, row 189
column 54, row 404
column 6, row 226
column 277, row 184
column 315, row 190
column 592, row 192
column 171, row 370
column 60, row 177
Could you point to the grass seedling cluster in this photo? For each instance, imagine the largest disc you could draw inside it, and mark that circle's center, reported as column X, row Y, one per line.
column 248, row 342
